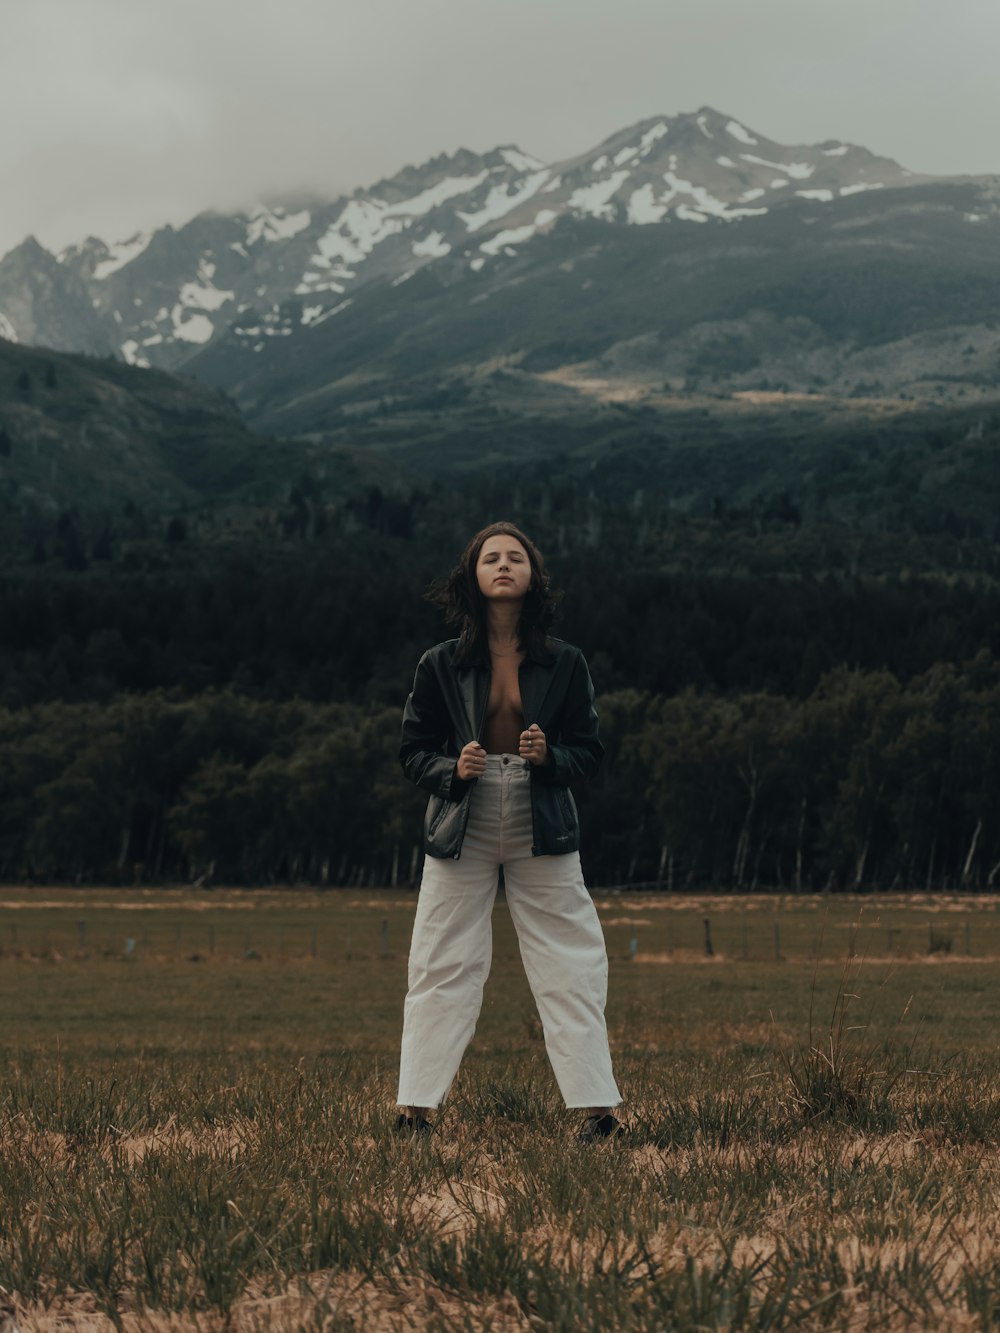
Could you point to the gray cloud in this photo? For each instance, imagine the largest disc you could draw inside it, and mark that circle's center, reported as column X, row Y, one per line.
column 130, row 113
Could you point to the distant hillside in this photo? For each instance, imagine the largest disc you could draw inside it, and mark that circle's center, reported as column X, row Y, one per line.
column 90, row 432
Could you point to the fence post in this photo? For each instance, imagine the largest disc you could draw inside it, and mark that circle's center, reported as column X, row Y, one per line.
column 633, row 946
column 743, row 932
column 709, row 951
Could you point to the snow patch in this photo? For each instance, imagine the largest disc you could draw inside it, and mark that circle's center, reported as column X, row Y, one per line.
column 643, row 208
column 626, row 155
column 437, row 194
column 130, row 351
column 313, row 283
column 520, row 161
column 7, row 331
column 599, row 163
column 500, row 202
column 311, row 313
column 154, row 341
column 196, row 296
column 121, row 254
column 553, row 184
column 749, row 195
column 433, row 246
column 705, row 202
column 594, row 199
column 725, row 162
column 704, row 129
column 799, row 171
column 275, row 226
column 476, row 264
column 359, row 229
column 544, row 216
column 737, row 131
column 862, row 185
column 651, row 136
column 403, row 277
column 197, row 329
column 823, row 196
column 334, row 311
column 513, row 236
column 687, row 214
column 780, row 183
column 837, row 152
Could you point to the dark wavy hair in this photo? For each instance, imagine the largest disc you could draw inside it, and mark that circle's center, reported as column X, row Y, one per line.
column 464, row 604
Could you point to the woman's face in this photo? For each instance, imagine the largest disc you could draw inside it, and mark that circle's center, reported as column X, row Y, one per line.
column 503, row 569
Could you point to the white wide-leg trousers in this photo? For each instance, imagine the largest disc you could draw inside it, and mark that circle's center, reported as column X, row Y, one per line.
column 559, row 934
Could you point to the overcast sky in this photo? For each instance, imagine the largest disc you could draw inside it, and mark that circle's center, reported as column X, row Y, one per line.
column 126, row 114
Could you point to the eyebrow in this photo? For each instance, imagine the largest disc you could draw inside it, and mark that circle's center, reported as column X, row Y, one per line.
column 514, row 550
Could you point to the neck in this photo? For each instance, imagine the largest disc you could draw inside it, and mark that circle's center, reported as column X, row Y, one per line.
column 501, row 625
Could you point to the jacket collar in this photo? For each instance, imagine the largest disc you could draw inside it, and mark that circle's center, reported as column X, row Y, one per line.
column 541, row 657
column 534, row 688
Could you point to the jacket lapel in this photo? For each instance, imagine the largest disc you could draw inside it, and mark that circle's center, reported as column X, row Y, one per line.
column 534, row 683
column 469, row 678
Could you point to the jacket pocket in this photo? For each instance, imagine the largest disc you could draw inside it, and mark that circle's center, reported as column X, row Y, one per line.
column 567, row 807
column 437, row 807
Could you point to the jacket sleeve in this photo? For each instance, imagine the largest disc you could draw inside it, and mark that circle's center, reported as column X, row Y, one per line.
column 576, row 753
column 425, row 737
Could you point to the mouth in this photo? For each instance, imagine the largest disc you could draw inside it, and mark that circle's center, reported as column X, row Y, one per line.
column 503, row 579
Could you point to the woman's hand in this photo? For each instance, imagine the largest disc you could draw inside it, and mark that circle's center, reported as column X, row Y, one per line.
column 471, row 761
column 532, row 746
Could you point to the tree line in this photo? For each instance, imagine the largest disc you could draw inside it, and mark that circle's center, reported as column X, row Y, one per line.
column 350, row 632
column 868, row 781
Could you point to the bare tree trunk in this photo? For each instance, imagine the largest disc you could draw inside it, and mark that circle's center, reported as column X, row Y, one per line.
column 967, row 869
column 798, row 846
column 123, row 846
column 859, row 871
column 660, row 868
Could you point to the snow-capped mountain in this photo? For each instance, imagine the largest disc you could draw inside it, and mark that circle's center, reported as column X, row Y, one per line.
column 161, row 298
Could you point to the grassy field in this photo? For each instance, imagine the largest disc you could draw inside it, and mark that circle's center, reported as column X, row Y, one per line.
column 196, row 1110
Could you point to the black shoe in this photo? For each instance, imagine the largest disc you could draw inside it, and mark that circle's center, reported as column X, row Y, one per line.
column 597, row 1127
column 414, row 1126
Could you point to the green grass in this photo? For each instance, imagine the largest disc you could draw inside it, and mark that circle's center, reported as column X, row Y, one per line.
column 193, row 1137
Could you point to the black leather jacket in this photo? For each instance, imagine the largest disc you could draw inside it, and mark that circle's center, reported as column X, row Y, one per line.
column 447, row 708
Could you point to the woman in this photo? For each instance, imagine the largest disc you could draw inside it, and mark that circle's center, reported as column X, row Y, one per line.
column 497, row 725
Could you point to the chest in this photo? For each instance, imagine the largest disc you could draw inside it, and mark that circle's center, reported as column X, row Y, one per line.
column 505, row 686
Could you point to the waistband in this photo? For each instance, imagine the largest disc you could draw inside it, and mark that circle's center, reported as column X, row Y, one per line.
column 503, row 763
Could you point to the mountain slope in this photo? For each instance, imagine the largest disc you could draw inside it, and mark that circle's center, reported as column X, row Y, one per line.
column 161, row 298
column 890, row 294
column 76, row 431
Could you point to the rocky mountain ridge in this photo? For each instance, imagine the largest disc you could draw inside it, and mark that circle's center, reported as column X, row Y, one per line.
column 160, row 298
